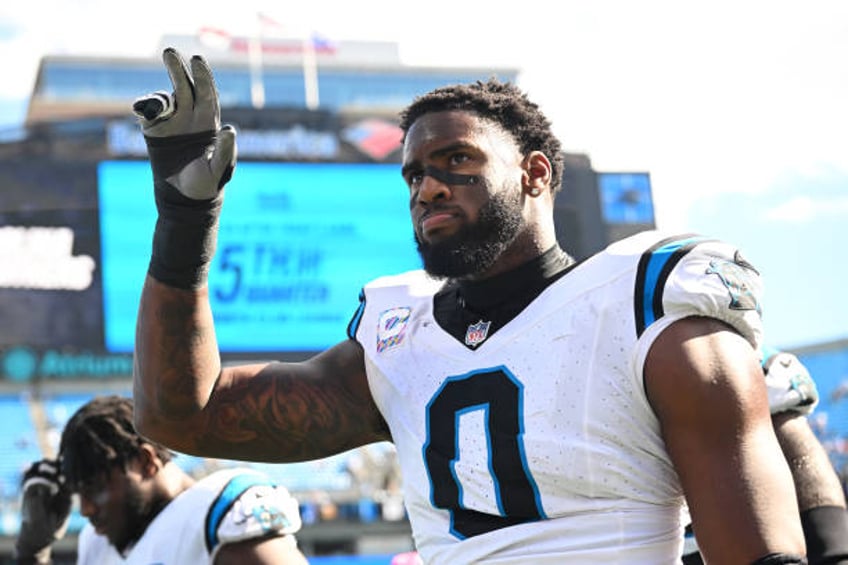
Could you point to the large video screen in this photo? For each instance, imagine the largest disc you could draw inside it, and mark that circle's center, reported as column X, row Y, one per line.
column 297, row 242
column 626, row 198
column 49, row 256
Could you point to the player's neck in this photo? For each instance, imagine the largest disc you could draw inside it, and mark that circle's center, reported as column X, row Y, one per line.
column 173, row 482
column 485, row 293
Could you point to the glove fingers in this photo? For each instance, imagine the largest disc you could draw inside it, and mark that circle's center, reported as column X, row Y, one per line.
column 180, row 78
column 154, row 107
column 44, row 467
column 224, row 156
column 51, row 485
column 206, row 93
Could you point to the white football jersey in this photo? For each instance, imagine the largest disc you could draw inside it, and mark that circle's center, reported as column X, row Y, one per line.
column 225, row 507
column 540, row 446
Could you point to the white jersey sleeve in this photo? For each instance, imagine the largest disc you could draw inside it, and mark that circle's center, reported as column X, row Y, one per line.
column 679, row 277
column 248, row 508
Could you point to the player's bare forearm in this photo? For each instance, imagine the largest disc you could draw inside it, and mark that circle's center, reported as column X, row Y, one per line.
column 176, row 357
column 816, row 481
column 176, row 353
column 267, row 412
column 291, row 411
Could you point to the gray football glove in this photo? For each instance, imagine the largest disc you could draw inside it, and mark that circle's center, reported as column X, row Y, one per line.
column 45, row 508
column 192, row 157
column 790, row 386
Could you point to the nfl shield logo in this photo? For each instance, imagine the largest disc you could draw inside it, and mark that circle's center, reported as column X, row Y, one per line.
column 477, row 333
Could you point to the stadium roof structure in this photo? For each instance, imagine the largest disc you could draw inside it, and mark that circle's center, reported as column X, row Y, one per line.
column 259, row 73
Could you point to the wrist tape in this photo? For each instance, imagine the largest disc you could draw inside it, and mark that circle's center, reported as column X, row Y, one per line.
column 184, row 240
column 187, row 229
column 826, row 534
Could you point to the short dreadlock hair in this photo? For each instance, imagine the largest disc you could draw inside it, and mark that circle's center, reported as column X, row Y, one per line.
column 501, row 102
column 99, row 436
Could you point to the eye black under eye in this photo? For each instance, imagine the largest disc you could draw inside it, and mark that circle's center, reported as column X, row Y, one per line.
column 415, row 178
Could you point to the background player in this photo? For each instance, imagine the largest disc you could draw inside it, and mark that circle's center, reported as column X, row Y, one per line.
column 542, row 412
column 142, row 508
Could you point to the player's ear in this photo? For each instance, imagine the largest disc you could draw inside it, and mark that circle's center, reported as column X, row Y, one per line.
column 536, row 176
column 149, row 461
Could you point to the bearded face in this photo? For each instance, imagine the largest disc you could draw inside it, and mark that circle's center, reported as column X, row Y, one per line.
column 117, row 505
column 476, row 246
column 138, row 515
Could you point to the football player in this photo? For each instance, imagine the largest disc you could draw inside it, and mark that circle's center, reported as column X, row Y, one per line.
column 543, row 411
column 142, row 508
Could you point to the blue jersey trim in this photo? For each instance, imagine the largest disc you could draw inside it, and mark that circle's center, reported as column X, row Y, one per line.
column 225, row 500
column 353, row 325
column 653, row 271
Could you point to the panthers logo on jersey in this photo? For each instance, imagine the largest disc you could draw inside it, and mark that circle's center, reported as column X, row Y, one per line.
column 736, row 276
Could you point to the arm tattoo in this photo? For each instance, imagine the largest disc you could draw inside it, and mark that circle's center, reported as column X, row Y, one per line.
column 178, row 353
column 282, row 415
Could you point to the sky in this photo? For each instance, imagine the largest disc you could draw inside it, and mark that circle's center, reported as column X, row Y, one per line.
column 738, row 110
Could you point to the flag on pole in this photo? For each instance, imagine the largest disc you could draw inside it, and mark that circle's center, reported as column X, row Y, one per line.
column 254, row 57
column 214, row 37
column 308, row 57
column 222, row 40
column 310, row 74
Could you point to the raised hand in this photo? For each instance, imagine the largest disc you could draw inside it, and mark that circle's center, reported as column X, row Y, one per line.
column 45, row 507
column 192, row 157
column 192, row 150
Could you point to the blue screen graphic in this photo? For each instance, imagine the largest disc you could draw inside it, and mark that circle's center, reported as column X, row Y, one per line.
column 626, row 198
column 297, row 242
